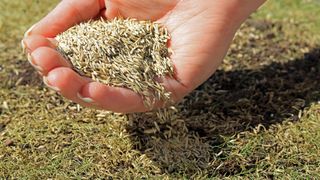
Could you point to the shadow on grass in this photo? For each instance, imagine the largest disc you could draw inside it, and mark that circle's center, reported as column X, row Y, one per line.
column 21, row 75
column 227, row 104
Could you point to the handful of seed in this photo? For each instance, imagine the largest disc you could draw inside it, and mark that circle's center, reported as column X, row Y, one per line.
column 121, row 53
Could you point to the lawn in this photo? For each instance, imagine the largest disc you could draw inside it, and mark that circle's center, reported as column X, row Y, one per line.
column 258, row 116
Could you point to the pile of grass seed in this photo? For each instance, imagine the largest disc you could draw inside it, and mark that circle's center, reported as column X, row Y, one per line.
column 122, row 53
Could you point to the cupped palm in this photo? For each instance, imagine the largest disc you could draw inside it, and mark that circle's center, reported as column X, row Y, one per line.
column 201, row 32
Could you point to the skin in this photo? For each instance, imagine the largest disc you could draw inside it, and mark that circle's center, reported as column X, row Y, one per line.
column 201, row 31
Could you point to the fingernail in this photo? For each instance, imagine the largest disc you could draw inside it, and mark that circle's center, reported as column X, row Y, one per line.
column 54, row 41
column 27, row 33
column 31, row 61
column 23, row 45
column 46, row 82
column 85, row 99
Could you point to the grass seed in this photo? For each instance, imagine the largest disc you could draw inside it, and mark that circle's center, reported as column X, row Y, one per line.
column 121, row 53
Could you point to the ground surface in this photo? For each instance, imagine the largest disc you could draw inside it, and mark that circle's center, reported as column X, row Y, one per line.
column 257, row 117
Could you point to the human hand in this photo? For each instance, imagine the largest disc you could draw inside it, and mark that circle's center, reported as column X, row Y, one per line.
column 201, row 32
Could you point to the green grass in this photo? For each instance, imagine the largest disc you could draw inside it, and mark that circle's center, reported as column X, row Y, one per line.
column 304, row 13
column 257, row 117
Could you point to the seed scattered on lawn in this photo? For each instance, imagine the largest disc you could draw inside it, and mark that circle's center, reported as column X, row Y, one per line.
column 121, row 53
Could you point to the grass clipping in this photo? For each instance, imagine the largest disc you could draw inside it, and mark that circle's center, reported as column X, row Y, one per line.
column 121, row 53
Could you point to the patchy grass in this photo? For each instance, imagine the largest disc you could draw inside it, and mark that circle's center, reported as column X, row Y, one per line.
column 257, row 117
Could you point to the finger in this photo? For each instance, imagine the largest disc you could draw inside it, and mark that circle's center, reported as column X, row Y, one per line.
column 113, row 98
column 93, row 94
column 124, row 100
column 65, row 15
column 46, row 59
column 97, row 95
column 67, row 82
column 30, row 43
